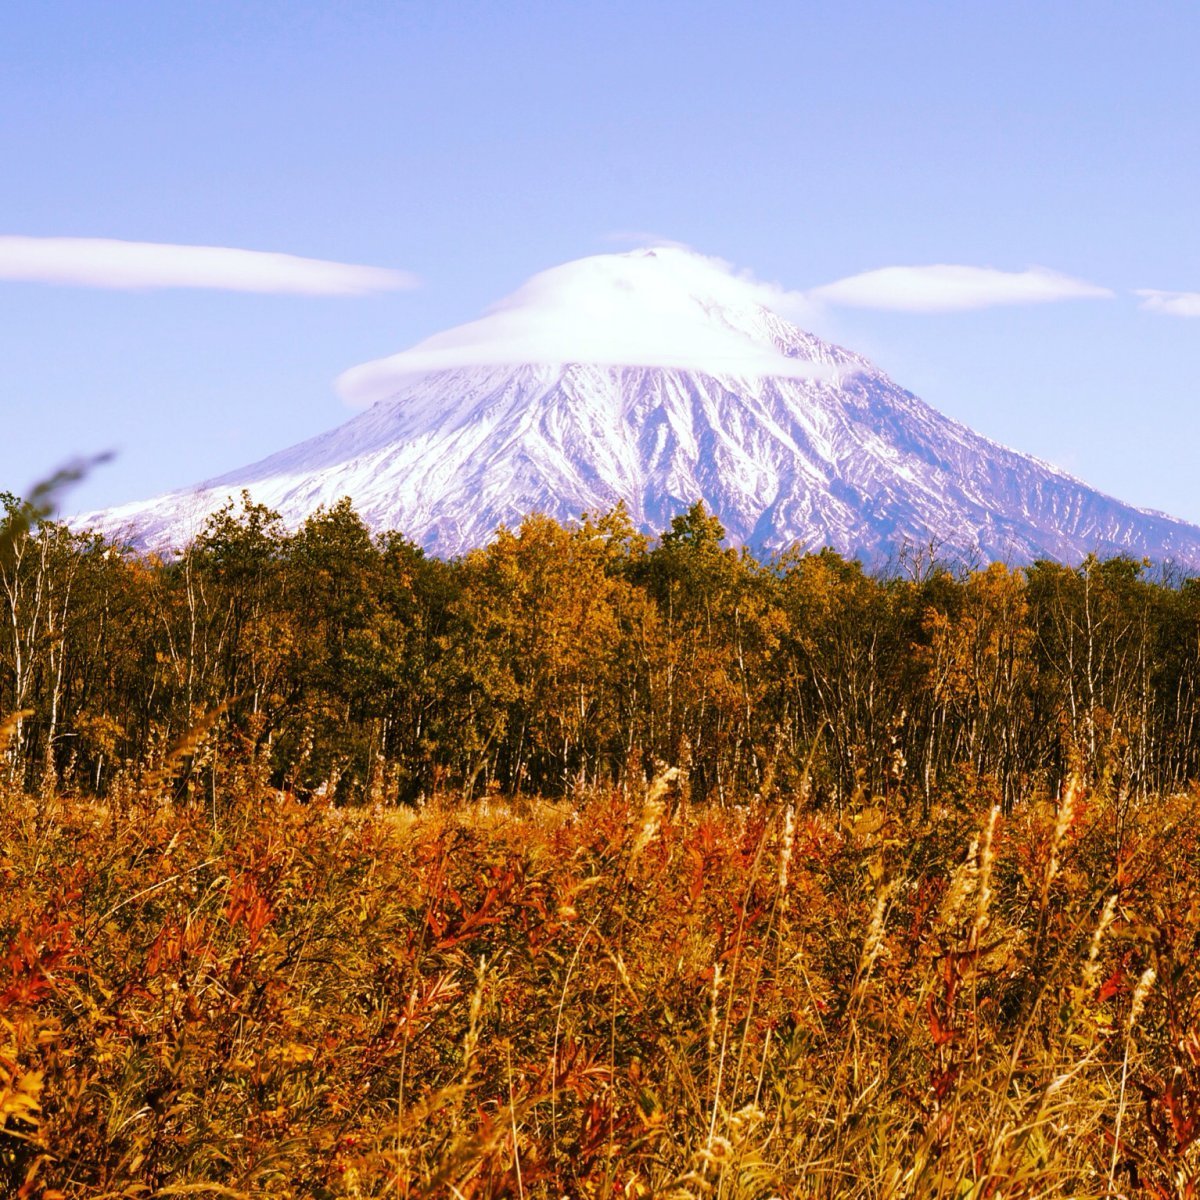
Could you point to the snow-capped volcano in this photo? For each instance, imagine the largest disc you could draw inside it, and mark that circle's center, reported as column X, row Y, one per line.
column 659, row 378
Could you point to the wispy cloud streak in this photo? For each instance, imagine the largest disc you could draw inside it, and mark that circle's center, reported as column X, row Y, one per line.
column 1174, row 304
column 953, row 288
column 108, row 263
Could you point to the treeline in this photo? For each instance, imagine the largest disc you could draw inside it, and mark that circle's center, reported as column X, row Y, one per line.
column 558, row 657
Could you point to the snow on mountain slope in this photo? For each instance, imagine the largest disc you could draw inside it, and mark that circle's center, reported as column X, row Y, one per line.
column 660, row 378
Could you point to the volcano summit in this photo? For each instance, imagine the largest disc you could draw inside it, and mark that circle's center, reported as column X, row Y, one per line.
column 659, row 378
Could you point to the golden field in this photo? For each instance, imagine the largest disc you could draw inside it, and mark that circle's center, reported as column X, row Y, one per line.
column 627, row 994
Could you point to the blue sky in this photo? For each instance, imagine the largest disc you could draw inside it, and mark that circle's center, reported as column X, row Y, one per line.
column 475, row 144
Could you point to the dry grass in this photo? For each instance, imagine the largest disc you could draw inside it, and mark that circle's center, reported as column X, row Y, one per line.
column 624, row 997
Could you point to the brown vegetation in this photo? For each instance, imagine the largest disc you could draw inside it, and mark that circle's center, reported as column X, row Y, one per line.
column 913, row 913
column 621, row 996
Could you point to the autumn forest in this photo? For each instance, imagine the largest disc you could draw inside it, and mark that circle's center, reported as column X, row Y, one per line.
column 557, row 658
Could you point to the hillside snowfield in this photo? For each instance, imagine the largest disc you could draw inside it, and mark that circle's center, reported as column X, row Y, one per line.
column 660, row 378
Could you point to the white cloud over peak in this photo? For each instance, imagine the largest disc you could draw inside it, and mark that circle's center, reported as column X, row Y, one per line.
column 661, row 307
column 1174, row 304
column 109, row 263
column 952, row 288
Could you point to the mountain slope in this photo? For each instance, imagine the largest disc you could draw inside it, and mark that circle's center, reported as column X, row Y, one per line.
column 689, row 386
